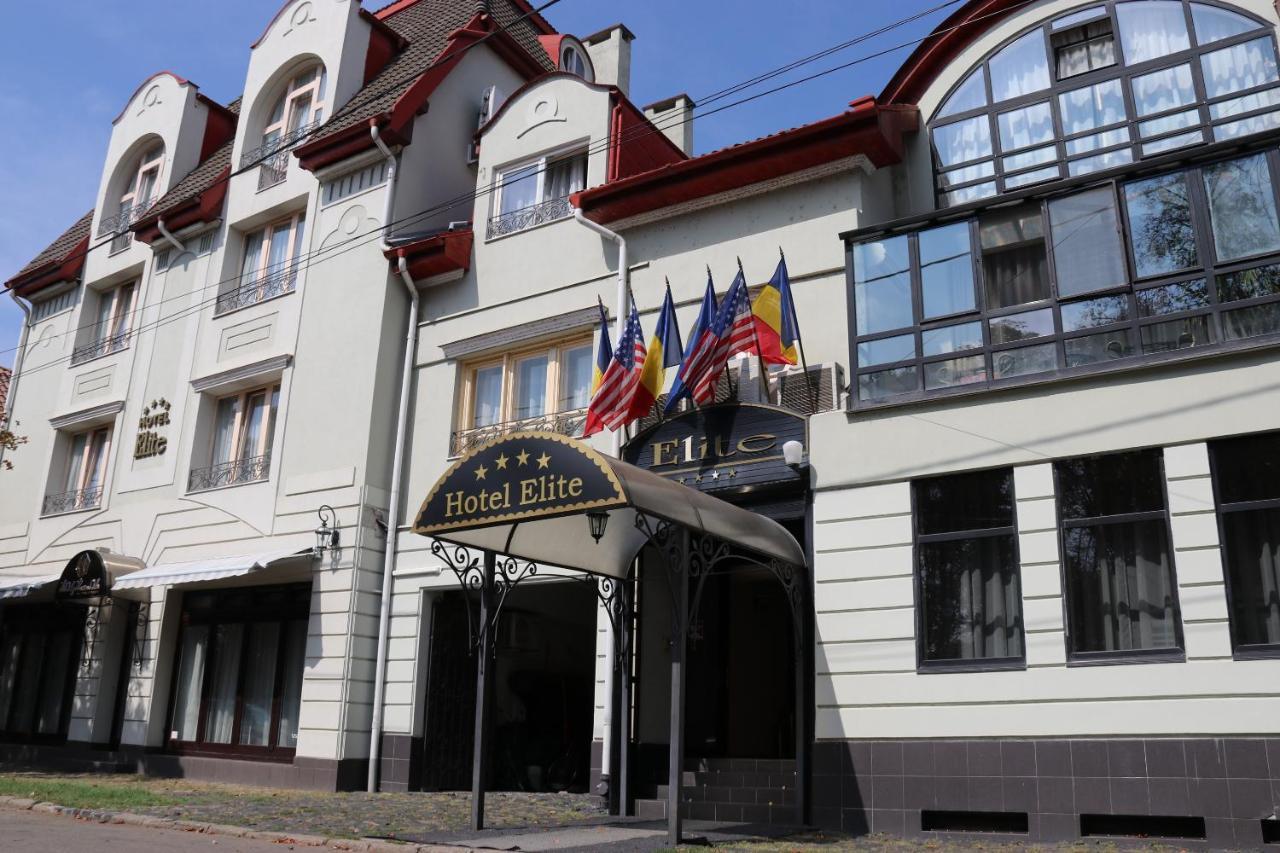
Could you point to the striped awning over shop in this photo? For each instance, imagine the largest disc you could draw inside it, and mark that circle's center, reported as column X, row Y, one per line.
column 20, row 587
column 216, row 568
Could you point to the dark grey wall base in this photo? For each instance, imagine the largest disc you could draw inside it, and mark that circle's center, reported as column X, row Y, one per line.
column 883, row 786
column 597, row 764
column 400, row 763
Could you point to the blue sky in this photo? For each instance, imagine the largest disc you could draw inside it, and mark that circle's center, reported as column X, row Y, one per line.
column 66, row 69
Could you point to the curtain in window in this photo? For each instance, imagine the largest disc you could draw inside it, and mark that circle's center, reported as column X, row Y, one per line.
column 531, row 388
column 186, row 700
column 1021, row 68
column 224, row 429
column 94, row 463
column 1086, row 230
column 293, row 663
column 518, row 188
column 1121, row 596
column 971, row 599
column 221, row 716
column 251, row 431
column 488, row 396
column 75, row 459
column 278, row 253
column 576, row 370
column 252, row 256
column 1241, row 66
column 259, row 683
column 564, row 177
column 963, row 141
column 1252, row 541
column 102, row 327
column 1150, row 29
column 123, row 302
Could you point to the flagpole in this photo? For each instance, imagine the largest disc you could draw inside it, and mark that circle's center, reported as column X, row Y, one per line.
column 804, row 365
column 755, row 333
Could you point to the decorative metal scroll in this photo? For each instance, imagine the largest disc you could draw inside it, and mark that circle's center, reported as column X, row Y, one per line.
column 529, row 217
column 508, row 573
column 231, row 473
column 611, row 593
column 564, row 423
column 80, row 499
column 106, row 346
column 258, row 288
column 92, row 619
column 140, row 626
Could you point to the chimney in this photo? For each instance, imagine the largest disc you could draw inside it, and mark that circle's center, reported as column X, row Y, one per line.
column 610, row 51
column 674, row 117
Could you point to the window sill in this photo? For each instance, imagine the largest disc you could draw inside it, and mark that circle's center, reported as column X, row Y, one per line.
column 1124, row 658
column 61, row 513
column 1245, row 653
column 987, row 665
column 228, row 486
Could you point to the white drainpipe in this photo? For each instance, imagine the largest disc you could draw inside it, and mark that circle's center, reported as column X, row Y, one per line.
column 6, row 415
column 164, row 232
column 397, row 464
column 606, row 752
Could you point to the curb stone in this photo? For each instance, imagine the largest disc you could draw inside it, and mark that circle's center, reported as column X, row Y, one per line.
column 132, row 819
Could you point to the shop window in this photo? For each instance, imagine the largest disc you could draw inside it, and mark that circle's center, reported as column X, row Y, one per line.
column 536, row 193
column 544, row 388
column 1162, row 266
column 84, row 467
column 269, row 265
column 1224, row 84
column 39, row 650
column 1246, row 481
column 243, row 430
column 238, row 671
column 112, row 324
column 1121, row 595
column 969, row 605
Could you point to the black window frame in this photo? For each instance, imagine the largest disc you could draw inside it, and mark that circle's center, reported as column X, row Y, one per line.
column 298, row 606
column 1208, row 270
column 1001, row 664
column 1239, row 651
column 1175, row 654
column 1135, row 142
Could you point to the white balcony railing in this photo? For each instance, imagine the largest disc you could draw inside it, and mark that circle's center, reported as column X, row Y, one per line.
column 529, row 217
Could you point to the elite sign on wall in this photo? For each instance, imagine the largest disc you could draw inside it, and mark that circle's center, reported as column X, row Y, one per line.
column 733, row 446
column 85, row 576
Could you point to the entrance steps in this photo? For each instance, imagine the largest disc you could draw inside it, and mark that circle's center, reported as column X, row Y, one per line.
column 749, row 790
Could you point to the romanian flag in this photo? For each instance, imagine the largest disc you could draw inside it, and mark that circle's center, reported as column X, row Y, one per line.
column 604, row 353
column 774, row 314
column 665, row 350
column 685, row 377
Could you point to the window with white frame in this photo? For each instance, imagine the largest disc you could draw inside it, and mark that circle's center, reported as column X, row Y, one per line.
column 240, row 446
column 536, row 193
column 46, row 308
column 268, row 265
column 572, row 61
column 296, row 112
column 139, row 193
column 84, row 466
column 112, row 325
column 550, row 384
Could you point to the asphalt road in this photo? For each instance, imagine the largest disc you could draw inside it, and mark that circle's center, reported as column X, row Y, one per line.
column 37, row 832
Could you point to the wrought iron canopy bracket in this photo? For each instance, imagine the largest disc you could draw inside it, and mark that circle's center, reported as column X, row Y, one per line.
column 611, row 593
column 468, row 569
column 140, row 627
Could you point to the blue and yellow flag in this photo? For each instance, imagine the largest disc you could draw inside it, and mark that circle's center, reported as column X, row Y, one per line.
column 774, row 314
column 604, row 353
column 665, row 350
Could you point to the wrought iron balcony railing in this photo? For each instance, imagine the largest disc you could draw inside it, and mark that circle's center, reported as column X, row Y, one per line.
column 528, row 217
column 99, row 348
column 232, row 473
column 255, row 290
column 566, row 423
column 274, row 155
column 118, row 224
column 81, row 499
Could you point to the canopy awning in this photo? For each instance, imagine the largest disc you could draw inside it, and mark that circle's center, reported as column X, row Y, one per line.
column 523, row 495
column 20, row 587
column 217, row 568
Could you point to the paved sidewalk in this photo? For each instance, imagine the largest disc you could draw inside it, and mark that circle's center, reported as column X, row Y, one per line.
column 40, row 832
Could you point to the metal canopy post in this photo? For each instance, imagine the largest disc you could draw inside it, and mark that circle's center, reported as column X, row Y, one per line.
column 677, row 565
column 484, row 694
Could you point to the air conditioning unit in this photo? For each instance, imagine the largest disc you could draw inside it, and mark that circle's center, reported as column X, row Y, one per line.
column 818, row 391
column 489, row 103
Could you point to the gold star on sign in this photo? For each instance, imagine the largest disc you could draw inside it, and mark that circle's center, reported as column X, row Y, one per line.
column 502, row 462
column 544, row 460
column 522, row 457
column 480, row 472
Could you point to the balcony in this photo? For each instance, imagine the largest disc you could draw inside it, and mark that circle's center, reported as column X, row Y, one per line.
column 274, row 156
column 234, row 473
column 257, row 290
column 565, row 423
column 529, row 217
column 118, row 225
column 99, row 348
column 77, row 501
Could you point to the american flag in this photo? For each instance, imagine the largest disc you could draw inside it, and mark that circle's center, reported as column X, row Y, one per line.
column 731, row 332
column 612, row 400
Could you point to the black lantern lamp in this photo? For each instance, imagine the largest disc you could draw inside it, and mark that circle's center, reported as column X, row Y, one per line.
column 599, row 521
column 327, row 538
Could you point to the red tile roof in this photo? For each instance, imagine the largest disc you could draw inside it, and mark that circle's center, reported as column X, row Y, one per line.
column 61, row 260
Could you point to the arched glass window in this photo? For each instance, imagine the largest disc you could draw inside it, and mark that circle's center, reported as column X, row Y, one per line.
column 299, row 108
column 571, row 60
column 140, row 192
column 1102, row 87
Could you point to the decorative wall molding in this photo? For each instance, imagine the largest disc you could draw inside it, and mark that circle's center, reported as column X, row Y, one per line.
column 87, row 417
column 582, row 318
column 265, row 369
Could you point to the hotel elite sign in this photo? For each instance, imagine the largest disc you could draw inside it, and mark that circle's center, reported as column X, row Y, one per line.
column 520, row 476
column 732, row 446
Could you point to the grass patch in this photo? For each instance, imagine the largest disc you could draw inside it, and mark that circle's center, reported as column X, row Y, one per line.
column 82, row 794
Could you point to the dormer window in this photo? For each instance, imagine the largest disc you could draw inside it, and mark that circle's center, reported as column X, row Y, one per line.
column 536, row 193
column 298, row 110
column 571, row 60
column 1102, row 87
column 139, row 193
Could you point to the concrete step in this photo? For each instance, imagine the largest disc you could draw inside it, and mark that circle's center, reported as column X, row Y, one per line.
column 656, row 809
column 780, row 796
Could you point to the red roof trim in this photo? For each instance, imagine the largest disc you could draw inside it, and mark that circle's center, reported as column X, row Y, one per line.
column 867, row 128
column 538, row 81
column 182, row 81
column 551, row 44
column 948, row 40
column 438, row 254
column 203, row 207
column 347, row 142
column 635, row 143
column 219, row 127
column 384, row 44
column 64, row 269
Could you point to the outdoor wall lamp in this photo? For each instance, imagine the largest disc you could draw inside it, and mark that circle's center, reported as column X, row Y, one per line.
column 327, row 538
column 598, row 521
column 793, row 454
